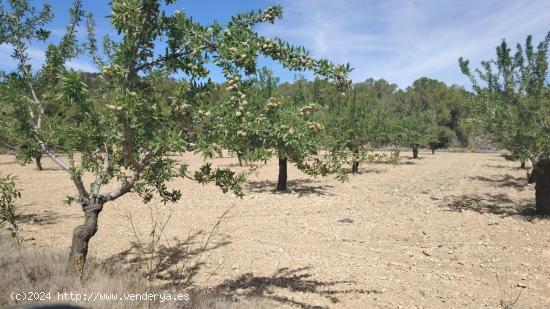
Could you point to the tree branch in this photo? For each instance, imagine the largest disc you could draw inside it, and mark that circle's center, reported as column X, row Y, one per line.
column 101, row 176
column 131, row 181
column 77, row 180
column 157, row 61
column 179, row 53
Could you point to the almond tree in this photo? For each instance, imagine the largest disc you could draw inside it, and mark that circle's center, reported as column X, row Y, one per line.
column 128, row 142
column 513, row 104
column 361, row 122
column 268, row 123
column 28, row 94
column 417, row 129
column 289, row 125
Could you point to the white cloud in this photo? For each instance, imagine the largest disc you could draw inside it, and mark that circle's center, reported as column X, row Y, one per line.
column 402, row 40
column 37, row 58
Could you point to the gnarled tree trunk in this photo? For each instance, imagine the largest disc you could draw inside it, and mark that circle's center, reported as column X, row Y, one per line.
column 281, row 184
column 541, row 177
column 81, row 237
column 415, row 152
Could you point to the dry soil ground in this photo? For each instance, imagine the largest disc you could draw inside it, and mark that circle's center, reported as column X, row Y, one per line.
column 452, row 230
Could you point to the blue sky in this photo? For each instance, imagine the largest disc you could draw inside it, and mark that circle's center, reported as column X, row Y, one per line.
column 398, row 40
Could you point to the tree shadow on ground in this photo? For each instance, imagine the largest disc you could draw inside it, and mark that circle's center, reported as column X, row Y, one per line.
column 500, row 166
column 45, row 218
column 54, row 168
column 290, row 280
column 233, row 165
column 364, row 171
column 507, row 180
column 173, row 264
column 499, row 204
column 408, row 162
column 414, row 159
column 303, row 187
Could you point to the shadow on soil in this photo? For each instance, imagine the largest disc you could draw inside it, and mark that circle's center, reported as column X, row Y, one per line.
column 499, row 204
column 45, row 218
column 411, row 162
column 364, row 171
column 500, row 166
column 174, row 264
column 290, row 280
column 519, row 183
column 302, row 187
column 44, row 169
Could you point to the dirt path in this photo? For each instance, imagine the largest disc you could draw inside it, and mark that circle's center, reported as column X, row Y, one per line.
column 452, row 230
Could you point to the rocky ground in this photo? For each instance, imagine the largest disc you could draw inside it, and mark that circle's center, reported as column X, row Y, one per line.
column 453, row 230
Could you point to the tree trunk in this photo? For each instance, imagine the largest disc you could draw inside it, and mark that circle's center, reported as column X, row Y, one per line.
column 415, row 152
column 542, row 187
column 354, row 162
column 522, row 164
column 531, row 176
column 396, row 153
column 81, row 237
column 433, row 151
column 354, row 167
column 38, row 160
column 240, row 158
column 281, row 184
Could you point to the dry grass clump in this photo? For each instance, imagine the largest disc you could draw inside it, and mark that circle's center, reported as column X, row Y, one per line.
column 34, row 271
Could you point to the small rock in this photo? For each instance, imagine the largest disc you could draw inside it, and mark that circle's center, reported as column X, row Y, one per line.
column 345, row 220
column 521, row 285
